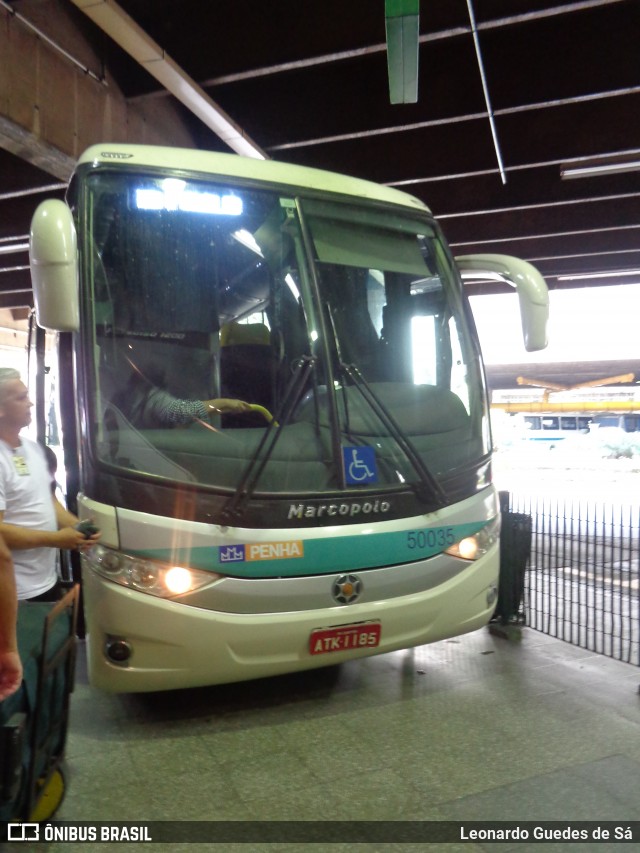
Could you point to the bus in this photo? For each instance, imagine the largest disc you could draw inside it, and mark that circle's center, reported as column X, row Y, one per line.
column 520, row 420
column 550, row 429
column 349, row 509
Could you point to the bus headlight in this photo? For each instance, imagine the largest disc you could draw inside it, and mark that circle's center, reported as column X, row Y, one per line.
column 178, row 580
column 150, row 576
column 472, row 547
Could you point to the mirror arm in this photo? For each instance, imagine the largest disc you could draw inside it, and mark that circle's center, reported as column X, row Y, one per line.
column 531, row 287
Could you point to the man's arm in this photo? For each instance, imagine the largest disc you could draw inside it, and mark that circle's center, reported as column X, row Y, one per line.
column 170, row 411
column 10, row 665
column 66, row 537
column 167, row 410
column 64, row 518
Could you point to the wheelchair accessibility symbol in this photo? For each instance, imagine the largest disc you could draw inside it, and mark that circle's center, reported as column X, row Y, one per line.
column 360, row 465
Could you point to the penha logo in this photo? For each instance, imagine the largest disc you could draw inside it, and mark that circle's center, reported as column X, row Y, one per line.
column 261, row 551
column 231, row 553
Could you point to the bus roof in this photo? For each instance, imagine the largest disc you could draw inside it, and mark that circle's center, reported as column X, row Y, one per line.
column 233, row 165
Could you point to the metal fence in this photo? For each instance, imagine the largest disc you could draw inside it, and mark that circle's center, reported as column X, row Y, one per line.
column 582, row 579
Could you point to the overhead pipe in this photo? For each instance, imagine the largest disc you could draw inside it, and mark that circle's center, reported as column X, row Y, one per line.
column 119, row 26
column 48, row 188
column 485, row 90
column 41, row 35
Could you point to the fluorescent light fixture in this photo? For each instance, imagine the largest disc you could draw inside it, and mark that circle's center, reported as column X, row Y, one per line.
column 586, row 275
column 11, row 248
column 13, row 269
column 592, row 170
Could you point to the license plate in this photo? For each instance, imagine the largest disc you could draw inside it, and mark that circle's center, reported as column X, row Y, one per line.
column 365, row 635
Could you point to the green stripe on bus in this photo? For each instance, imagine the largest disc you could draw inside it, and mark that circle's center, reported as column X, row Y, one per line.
column 323, row 555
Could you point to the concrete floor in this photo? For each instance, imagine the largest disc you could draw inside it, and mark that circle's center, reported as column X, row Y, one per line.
column 476, row 728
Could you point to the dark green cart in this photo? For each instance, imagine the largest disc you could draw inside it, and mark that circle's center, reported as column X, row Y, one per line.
column 33, row 721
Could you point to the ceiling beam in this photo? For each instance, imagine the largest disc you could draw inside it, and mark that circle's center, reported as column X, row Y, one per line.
column 606, row 237
column 124, row 31
column 465, row 117
column 545, row 204
column 35, row 150
column 424, row 38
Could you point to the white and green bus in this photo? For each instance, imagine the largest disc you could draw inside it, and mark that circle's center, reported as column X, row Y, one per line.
column 351, row 511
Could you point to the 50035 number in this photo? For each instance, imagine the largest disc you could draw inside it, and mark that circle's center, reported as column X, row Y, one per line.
column 436, row 537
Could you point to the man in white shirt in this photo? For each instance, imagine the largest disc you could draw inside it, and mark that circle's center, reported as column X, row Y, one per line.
column 33, row 522
column 10, row 665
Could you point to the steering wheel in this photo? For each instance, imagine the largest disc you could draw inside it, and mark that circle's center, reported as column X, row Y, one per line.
column 266, row 414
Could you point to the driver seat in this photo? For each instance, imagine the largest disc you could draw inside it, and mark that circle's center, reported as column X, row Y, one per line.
column 246, row 369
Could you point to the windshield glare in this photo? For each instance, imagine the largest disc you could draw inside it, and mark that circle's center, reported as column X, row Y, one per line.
column 205, row 297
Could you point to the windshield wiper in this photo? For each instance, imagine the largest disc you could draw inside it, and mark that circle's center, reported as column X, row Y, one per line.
column 428, row 488
column 234, row 508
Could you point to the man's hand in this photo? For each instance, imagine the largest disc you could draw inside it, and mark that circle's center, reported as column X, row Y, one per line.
column 75, row 540
column 10, row 673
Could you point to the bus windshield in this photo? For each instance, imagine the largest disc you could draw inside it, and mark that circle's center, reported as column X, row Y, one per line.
column 341, row 323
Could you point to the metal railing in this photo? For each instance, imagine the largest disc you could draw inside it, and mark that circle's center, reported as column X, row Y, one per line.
column 582, row 580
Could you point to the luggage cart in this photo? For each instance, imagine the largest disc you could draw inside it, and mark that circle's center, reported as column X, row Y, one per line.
column 34, row 720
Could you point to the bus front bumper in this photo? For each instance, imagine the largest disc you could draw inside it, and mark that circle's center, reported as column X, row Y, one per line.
column 137, row 642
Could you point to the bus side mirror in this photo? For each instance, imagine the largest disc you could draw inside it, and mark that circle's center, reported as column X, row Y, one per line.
column 53, row 257
column 530, row 285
